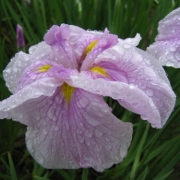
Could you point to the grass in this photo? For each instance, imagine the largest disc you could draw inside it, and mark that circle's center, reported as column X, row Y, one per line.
column 153, row 154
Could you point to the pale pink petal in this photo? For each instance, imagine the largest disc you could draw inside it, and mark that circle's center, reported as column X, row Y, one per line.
column 135, row 79
column 21, row 61
column 166, row 47
column 57, row 37
column 133, row 41
column 167, row 52
column 169, row 27
column 33, row 73
column 104, row 42
column 14, row 106
column 82, row 134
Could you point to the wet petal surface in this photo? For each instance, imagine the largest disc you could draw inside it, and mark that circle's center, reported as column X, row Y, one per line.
column 166, row 47
column 134, row 78
column 83, row 133
column 21, row 61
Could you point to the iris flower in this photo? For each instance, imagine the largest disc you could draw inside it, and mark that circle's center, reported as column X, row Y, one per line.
column 58, row 91
column 166, row 47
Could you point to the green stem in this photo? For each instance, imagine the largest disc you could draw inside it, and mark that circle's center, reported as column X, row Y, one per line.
column 85, row 174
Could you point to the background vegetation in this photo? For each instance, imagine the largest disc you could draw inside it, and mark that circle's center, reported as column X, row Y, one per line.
column 154, row 154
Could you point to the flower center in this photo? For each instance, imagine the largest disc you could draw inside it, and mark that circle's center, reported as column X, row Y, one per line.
column 67, row 92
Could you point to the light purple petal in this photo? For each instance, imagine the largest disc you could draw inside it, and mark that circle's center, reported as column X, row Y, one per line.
column 34, row 73
column 20, row 36
column 133, row 41
column 21, row 61
column 135, row 79
column 104, row 42
column 167, row 52
column 169, row 27
column 167, row 43
column 83, row 134
column 57, row 37
column 14, row 106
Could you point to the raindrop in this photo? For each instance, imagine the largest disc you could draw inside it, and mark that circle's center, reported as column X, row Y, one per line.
column 98, row 133
column 44, row 131
column 122, row 152
column 107, row 138
column 131, row 86
column 88, row 143
column 26, row 58
column 20, row 115
column 98, row 147
column 149, row 92
column 115, row 95
column 92, row 121
column 56, row 128
column 80, row 138
column 31, row 49
column 40, row 159
column 169, row 63
column 83, row 102
column 172, row 49
column 108, row 146
column 56, row 48
column 88, row 133
column 144, row 117
column 79, row 131
column 127, row 46
column 35, row 131
column 15, row 69
column 81, row 124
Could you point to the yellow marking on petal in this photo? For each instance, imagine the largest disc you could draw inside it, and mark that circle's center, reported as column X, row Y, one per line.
column 67, row 92
column 89, row 48
column 44, row 68
column 99, row 70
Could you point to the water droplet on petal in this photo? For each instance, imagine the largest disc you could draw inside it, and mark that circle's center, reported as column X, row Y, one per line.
column 177, row 55
column 98, row 147
column 88, row 143
column 169, row 63
column 80, row 138
column 88, row 133
column 92, row 121
column 98, row 133
column 115, row 95
column 108, row 146
column 131, row 86
column 144, row 117
column 83, row 102
column 172, row 48
column 56, row 48
column 40, row 159
column 56, row 128
column 127, row 46
column 122, row 152
column 149, row 92
column 44, row 131
column 26, row 58
column 107, row 138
